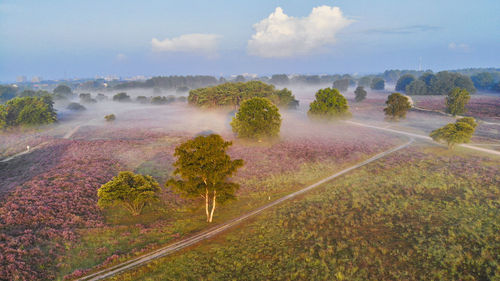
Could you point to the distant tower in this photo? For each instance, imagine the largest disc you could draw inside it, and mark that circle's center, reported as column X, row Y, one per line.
column 420, row 64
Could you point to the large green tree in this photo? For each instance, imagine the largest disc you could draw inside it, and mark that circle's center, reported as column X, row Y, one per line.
column 456, row 101
column 455, row 133
column 133, row 191
column 329, row 104
column 360, row 93
column 257, row 118
column 417, row 87
column 397, row 106
column 29, row 111
column 404, row 81
column 377, row 84
column 204, row 168
column 62, row 92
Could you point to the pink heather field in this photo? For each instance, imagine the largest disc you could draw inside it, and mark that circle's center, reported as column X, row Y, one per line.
column 52, row 227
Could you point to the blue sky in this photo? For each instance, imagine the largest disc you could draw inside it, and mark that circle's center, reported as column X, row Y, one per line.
column 61, row 39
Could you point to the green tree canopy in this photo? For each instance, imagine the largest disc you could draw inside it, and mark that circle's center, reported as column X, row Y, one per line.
column 62, row 92
column 28, row 111
column 455, row 133
column 417, row 87
column 445, row 81
column 233, row 94
column 456, row 101
column 204, row 168
column 121, row 97
column 7, row 93
column 329, row 104
column 131, row 190
column 360, row 93
column 365, row 81
column 377, row 84
column 397, row 106
column 404, row 81
column 257, row 118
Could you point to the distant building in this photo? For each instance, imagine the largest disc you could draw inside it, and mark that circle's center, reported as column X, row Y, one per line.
column 36, row 79
column 21, row 79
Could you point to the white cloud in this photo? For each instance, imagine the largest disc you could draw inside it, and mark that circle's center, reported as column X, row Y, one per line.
column 280, row 35
column 202, row 44
column 459, row 47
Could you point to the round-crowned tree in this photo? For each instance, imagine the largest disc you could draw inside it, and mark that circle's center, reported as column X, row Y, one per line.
column 459, row 132
column 257, row 118
column 360, row 93
column 456, row 101
column 404, row 81
column 397, row 106
column 131, row 190
column 329, row 104
column 377, row 84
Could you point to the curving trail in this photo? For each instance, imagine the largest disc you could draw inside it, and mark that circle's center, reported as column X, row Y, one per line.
column 108, row 272
column 489, row 151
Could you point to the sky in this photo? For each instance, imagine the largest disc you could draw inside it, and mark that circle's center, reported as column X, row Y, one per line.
column 58, row 39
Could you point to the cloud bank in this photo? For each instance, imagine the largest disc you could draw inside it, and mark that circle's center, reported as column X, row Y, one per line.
column 462, row 47
column 196, row 43
column 280, row 35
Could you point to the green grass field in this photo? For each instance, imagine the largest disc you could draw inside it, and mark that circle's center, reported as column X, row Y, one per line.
column 424, row 213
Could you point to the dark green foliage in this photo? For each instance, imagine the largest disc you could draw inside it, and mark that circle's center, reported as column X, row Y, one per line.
column 404, row 81
column 417, row 87
column 28, row 111
column 454, row 133
column 170, row 82
column 204, row 167
column 279, row 79
column 32, row 93
column 365, row 81
column 397, row 106
column 360, row 93
column 7, row 93
column 456, row 101
column 86, row 98
column 485, row 80
column 121, row 97
column 62, row 92
column 342, row 85
column 159, row 100
column 232, row 94
column 377, row 84
column 257, row 118
column 110, row 117
column 329, row 104
column 74, row 106
column 427, row 78
column 131, row 190
column 445, row 81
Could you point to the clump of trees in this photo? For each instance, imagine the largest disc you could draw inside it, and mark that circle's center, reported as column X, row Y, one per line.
column 455, row 133
column 329, row 104
column 27, row 111
column 377, row 83
column 7, row 93
column 257, row 118
column 397, row 106
column 456, row 101
column 204, row 168
column 110, row 117
column 439, row 84
column 121, row 97
column 404, row 81
column 86, row 98
column 74, row 106
column 365, row 81
column 233, row 94
column 486, row 80
column 133, row 191
column 62, row 92
column 360, row 93
column 342, row 84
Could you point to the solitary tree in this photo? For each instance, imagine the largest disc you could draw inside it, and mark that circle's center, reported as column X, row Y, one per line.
column 204, row 166
column 404, row 81
column 329, row 104
column 257, row 118
column 456, row 101
column 121, row 97
column 360, row 93
column 454, row 133
column 397, row 106
column 131, row 190
column 377, row 84
column 62, row 92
